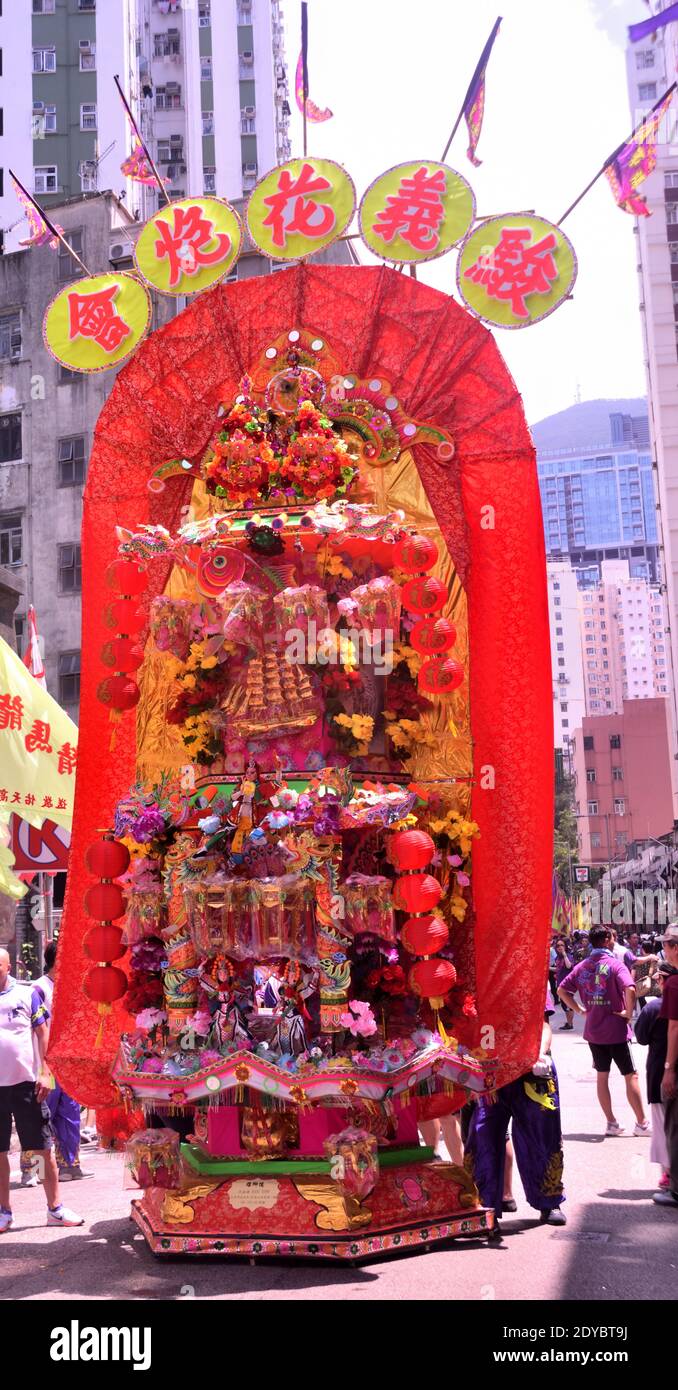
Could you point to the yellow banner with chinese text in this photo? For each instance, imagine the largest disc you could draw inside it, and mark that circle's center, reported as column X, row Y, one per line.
column 38, row 750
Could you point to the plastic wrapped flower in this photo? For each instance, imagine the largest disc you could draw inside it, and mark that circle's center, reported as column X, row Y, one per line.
column 150, row 1018
column 359, row 1019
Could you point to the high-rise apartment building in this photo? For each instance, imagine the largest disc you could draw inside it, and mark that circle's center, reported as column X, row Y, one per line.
column 597, row 493
column 651, row 68
column 207, row 82
column 569, row 689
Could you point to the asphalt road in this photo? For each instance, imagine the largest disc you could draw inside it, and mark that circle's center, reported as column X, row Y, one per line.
column 617, row 1244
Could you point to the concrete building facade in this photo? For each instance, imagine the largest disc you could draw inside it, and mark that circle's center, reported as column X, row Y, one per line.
column 622, row 776
column 206, row 80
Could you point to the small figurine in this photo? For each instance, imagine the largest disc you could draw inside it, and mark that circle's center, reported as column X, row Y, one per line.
column 225, row 1002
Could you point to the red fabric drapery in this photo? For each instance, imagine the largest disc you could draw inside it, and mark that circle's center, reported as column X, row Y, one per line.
column 447, row 370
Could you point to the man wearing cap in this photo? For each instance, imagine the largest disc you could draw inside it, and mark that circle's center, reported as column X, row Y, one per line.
column 668, row 1197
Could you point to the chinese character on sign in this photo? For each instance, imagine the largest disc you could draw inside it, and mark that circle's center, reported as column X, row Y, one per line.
column 38, row 739
column 514, row 269
column 94, row 316
column 47, row 801
column 67, row 758
column 29, row 799
column 294, row 209
column 16, row 798
column 415, row 212
column 3, row 794
column 186, row 246
column 61, row 804
column 11, row 711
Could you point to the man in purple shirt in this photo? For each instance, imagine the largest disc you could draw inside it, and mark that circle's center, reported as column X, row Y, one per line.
column 605, row 986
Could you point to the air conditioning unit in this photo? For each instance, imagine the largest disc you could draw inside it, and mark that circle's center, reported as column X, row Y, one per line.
column 249, row 170
column 85, row 45
column 249, row 111
column 38, row 106
column 119, row 251
column 247, row 56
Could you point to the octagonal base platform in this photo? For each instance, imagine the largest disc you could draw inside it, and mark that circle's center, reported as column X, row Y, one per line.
column 266, row 1214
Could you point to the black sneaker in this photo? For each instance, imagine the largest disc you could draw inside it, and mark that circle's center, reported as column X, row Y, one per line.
column 554, row 1217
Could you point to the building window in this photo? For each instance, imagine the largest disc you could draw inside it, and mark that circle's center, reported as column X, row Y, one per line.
column 590, row 774
column 618, row 774
column 19, row 628
column 561, row 660
column 244, row 11
column 67, row 377
column 88, row 55
column 248, row 127
column 68, row 269
column 69, row 678
column 44, row 59
column 10, row 437
column 10, row 337
column 46, row 178
column 592, row 808
column 43, row 6
column 167, row 45
column 615, row 740
column 44, row 120
column 595, row 839
column 588, row 743
column 205, row 68
column 71, row 461
column 671, row 178
column 11, row 539
column 561, row 646
column 88, row 116
column 619, row 806
column 168, row 98
column 209, row 179
column 204, row 14
column 647, row 91
column 645, row 58
column 87, row 4
column 70, row 572
column 208, row 123
column 87, row 170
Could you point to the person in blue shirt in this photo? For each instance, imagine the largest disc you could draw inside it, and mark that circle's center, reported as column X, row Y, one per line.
column 24, row 1085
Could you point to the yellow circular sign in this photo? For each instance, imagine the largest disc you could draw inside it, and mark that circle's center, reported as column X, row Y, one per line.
column 515, row 269
column 416, row 211
column 189, row 245
column 300, row 207
column 97, row 322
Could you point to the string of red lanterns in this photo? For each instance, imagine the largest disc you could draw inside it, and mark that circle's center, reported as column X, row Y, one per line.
column 120, row 690
column 431, row 636
column 104, row 982
column 423, row 934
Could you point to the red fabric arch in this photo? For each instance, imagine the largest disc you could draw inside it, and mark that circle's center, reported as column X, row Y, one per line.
column 447, row 370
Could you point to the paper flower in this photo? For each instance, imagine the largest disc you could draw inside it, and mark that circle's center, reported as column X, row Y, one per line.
column 150, row 1018
column 359, row 1019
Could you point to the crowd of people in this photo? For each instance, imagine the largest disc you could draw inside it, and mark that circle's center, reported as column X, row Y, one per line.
column 618, row 986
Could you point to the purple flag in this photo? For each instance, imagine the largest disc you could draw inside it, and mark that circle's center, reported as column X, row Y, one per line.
column 651, row 25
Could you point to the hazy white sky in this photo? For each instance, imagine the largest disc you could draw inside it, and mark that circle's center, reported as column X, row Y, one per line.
column 395, row 72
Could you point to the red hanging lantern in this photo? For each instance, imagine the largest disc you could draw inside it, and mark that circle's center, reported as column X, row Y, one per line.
column 104, row 943
column 423, row 936
column 440, row 676
column 105, row 902
column 415, row 554
column 126, row 577
column 411, row 849
column 119, row 691
column 417, row 893
column 123, row 653
column 125, row 615
column 105, row 983
column 107, row 858
column 432, row 979
column 431, row 636
column 424, row 595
